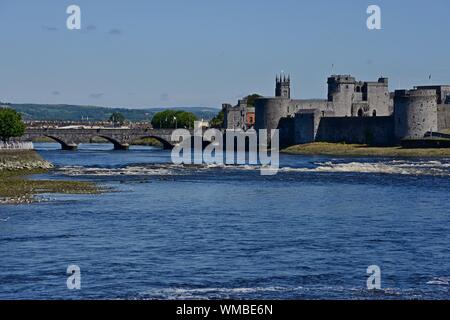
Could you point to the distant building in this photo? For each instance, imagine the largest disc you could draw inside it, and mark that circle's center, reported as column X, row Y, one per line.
column 203, row 124
column 241, row 116
column 250, row 116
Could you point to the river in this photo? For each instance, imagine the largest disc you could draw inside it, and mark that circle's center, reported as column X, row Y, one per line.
column 205, row 232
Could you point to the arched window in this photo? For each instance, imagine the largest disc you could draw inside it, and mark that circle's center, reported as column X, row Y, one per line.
column 374, row 113
column 360, row 112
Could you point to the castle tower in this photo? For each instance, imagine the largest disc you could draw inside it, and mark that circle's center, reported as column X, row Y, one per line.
column 341, row 91
column 283, row 87
column 415, row 113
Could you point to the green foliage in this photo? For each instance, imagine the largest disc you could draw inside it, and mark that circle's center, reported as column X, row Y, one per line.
column 251, row 99
column 11, row 124
column 170, row 119
column 217, row 121
column 117, row 118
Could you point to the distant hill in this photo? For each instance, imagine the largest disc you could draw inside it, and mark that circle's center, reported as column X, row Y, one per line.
column 76, row 112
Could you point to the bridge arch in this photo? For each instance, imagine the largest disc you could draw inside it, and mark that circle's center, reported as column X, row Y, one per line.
column 117, row 144
column 74, row 146
column 166, row 144
column 64, row 145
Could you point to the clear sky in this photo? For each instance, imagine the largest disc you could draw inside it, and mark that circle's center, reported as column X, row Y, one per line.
column 153, row 53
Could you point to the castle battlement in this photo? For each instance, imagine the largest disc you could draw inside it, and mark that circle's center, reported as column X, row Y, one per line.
column 417, row 92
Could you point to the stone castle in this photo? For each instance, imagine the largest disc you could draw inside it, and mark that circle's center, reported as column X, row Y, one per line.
column 354, row 112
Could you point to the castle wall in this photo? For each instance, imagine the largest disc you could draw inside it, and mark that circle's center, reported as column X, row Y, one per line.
column 269, row 111
column 362, row 130
column 287, row 132
column 306, row 126
column 415, row 113
column 443, row 116
column 362, row 106
column 322, row 105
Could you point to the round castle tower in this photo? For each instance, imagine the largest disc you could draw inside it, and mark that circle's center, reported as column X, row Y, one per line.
column 415, row 113
column 269, row 111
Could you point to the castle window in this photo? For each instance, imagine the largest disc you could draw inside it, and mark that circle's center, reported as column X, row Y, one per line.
column 374, row 113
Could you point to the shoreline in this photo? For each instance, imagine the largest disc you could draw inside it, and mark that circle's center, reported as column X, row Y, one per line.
column 16, row 187
column 356, row 150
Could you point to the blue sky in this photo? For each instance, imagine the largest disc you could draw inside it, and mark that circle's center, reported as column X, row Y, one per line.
column 157, row 53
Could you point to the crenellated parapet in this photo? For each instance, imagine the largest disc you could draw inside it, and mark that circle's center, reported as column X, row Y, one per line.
column 415, row 113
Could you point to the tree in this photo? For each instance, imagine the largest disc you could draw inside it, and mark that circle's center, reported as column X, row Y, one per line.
column 11, row 124
column 117, row 118
column 251, row 99
column 171, row 119
column 217, row 121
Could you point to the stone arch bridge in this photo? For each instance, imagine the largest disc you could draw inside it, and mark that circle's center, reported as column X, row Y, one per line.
column 121, row 138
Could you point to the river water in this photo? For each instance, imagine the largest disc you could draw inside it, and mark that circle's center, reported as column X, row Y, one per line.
column 174, row 232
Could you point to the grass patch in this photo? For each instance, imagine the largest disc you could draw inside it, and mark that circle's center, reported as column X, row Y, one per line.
column 21, row 156
column 15, row 187
column 341, row 149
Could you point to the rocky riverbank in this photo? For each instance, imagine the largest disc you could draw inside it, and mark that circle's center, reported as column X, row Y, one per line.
column 22, row 160
column 17, row 188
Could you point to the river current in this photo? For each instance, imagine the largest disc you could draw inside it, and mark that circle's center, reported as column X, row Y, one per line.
column 169, row 231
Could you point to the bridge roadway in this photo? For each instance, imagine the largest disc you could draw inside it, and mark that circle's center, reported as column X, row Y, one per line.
column 121, row 138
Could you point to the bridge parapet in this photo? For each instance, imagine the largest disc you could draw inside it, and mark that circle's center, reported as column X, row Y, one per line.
column 120, row 137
